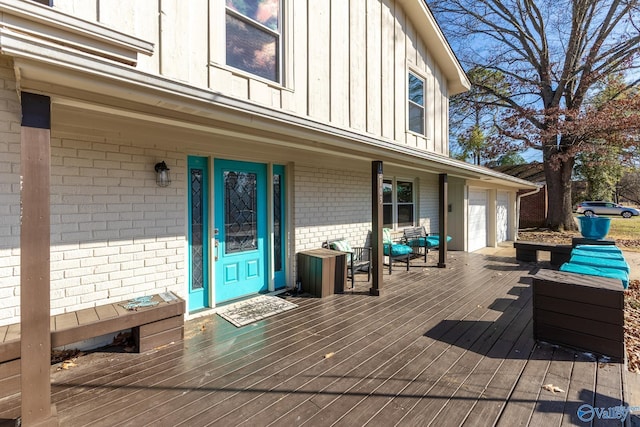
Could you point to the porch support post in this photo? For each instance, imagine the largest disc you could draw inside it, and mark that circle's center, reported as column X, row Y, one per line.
column 35, row 246
column 376, row 227
column 444, row 208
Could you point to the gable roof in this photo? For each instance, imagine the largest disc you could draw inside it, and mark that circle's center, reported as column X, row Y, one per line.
column 430, row 32
column 532, row 172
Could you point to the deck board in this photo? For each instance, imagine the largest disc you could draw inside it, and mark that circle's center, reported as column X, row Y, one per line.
column 581, row 388
column 551, row 405
column 447, row 346
column 354, row 367
column 372, row 404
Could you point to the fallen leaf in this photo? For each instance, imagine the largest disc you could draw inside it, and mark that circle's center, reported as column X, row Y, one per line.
column 67, row 364
column 328, row 355
column 552, row 388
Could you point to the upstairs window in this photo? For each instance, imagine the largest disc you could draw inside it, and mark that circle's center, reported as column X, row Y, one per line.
column 416, row 104
column 253, row 31
column 398, row 206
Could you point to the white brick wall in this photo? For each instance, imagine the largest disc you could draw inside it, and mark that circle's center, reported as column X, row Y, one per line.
column 114, row 233
column 337, row 203
column 10, row 116
column 331, row 204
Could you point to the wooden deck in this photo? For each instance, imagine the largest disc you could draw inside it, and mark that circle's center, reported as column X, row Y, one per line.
column 441, row 347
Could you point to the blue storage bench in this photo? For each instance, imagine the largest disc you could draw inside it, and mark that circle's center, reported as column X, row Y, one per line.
column 596, row 260
column 615, row 263
column 600, row 254
column 599, row 248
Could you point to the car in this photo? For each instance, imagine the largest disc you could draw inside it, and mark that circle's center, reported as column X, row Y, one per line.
column 590, row 208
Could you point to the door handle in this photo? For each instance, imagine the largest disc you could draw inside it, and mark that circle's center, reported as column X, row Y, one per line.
column 216, row 245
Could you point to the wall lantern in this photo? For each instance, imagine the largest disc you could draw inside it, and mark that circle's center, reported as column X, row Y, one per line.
column 162, row 175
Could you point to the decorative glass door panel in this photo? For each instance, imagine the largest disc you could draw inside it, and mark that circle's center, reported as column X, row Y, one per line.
column 198, row 234
column 241, row 223
column 279, row 227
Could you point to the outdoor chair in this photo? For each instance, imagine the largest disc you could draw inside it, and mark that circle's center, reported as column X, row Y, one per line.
column 358, row 257
column 420, row 241
column 395, row 251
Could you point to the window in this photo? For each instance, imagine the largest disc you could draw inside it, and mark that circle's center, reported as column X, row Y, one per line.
column 398, row 207
column 416, row 104
column 253, row 31
column 45, row 2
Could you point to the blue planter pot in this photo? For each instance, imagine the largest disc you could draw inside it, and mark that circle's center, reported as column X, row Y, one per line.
column 594, row 227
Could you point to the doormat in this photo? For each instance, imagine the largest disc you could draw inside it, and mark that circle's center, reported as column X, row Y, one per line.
column 244, row 312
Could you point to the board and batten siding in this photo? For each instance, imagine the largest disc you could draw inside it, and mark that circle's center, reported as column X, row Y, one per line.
column 344, row 62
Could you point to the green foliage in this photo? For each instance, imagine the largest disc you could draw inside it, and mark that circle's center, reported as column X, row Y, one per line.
column 601, row 163
column 602, row 170
column 472, row 144
column 511, row 159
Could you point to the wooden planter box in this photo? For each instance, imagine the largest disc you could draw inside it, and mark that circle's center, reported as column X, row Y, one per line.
column 584, row 312
column 322, row 272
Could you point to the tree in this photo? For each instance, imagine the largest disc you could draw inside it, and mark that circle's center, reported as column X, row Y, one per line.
column 552, row 54
column 507, row 159
column 629, row 187
column 601, row 164
column 602, row 171
column 472, row 144
column 473, row 117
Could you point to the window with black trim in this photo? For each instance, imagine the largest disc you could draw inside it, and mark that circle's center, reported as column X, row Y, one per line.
column 253, row 32
column 44, row 2
column 398, row 203
column 416, row 108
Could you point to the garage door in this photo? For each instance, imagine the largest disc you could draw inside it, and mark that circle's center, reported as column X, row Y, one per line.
column 502, row 217
column 477, row 224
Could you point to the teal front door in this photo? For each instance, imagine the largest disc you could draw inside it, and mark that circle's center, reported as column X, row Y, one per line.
column 198, row 235
column 241, row 243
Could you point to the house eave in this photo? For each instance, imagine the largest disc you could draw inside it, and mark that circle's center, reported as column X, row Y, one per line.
column 439, row 48
column 30, row 20
column 74, row 78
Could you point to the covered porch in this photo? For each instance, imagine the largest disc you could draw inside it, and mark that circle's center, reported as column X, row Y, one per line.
column 441, row 346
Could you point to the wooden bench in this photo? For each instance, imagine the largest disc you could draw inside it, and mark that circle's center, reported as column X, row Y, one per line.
column 528, row 252
column 151, row 327
column 584, row 312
